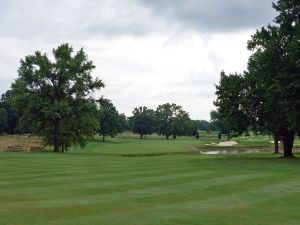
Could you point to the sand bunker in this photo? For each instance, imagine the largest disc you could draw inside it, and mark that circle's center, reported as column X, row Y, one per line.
column 227, row 143
column 224, row 144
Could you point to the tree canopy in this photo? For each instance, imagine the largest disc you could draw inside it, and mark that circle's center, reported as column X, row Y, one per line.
column 9, row 125
column 111, row 123
column 54, row 97
column 143, row 121
column 173, row 120
column 268, row 93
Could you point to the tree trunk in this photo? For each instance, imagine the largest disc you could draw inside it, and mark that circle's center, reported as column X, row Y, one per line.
column 56, row 139
column 141, row 136
column 167, row 136
column 103, row 137
column 228, row 136
column 174, row 136
column 288, row 141
column 276, row 140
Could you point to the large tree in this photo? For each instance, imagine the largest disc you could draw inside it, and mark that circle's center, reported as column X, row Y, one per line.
column 54, row 97
column 275, row 66
column 269, row 94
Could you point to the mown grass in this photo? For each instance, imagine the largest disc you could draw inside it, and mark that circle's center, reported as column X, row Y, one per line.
column 101, row 185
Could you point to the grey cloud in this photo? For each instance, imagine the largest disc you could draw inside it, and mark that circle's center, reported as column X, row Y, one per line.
column 214, row 15
column 60, row 20
column 57, row 20
column 28, row 25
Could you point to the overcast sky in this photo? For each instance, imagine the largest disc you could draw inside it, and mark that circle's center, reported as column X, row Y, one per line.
column 147, row 52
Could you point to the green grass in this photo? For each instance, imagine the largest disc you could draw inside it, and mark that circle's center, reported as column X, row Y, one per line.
column 102, row 185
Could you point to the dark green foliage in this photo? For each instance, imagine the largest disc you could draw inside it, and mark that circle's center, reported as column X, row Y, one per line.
column 189, row 127
column 275, row 67
column 220, row 122
column 203, row 125
column 143, row 121
column 54, row 98
column 173, row 120
column 123, row 123
column 165, row 116
column 230, row 102
column 3, row 120
column 111, row 123
column 268, row 94
column 12, row 117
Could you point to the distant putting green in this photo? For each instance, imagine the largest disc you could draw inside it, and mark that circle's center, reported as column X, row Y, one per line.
column 163, row 184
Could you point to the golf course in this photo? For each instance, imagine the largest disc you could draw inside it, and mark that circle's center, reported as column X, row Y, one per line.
column 153, row 181
column 143, row 112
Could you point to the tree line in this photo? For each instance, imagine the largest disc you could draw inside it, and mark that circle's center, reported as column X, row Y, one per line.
column 168, row 120
column 267, row 95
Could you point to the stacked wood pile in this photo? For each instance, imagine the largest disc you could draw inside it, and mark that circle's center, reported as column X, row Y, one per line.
column 22, row 148
column 15, row 148
column 37, row 148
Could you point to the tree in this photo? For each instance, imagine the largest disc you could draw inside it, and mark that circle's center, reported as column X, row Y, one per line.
column 190, row 128
column 143, row 121
column 55, row 97
column 12, row 117
column 219, row 136
column 221, row 123
column 109, row 119
column 173, row 120
column 3, row 120
column 182, row 125
column 241, row 105
column 166, row 114
column 123, row 123
column 269, row 92
column 231, row 94
column 203, row 125
column 275, row 66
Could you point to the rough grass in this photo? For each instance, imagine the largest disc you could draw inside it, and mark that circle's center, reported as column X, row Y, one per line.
column 99, row 185
column 25, row 141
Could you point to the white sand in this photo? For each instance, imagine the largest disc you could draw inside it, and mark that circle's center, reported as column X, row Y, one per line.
column 223, row 144
column 227, row 143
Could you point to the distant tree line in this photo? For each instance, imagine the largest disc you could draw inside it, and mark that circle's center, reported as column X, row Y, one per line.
column 169, row 120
